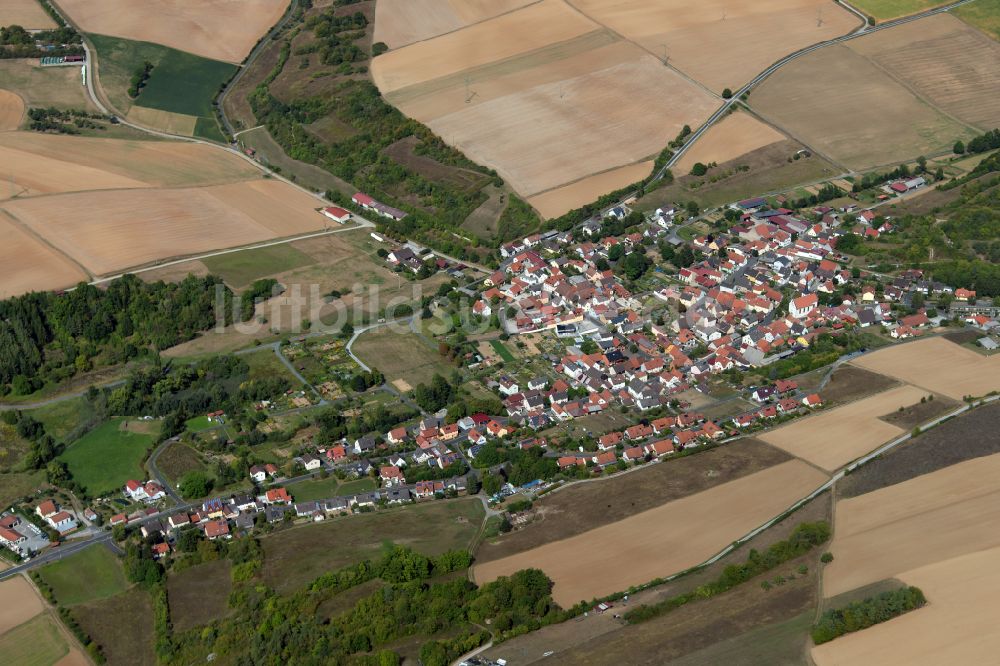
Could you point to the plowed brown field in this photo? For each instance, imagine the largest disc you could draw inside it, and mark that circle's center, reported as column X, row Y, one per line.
column 661, row 541
column 218, row 29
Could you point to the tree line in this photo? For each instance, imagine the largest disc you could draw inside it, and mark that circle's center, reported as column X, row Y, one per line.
column 859, row 615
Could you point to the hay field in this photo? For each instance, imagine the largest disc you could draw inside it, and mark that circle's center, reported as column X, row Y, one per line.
column 936, row 516
column 44, row 86
column 96, row 163
column 737, row 134
column 175, row 123
column 700, row 36
column 946, row 61
column 11, row 110
column 937, row 365
column 957, row 626
column 564, row 199
column 219, row 29
column 18, row 603
column 827, row 99
column 834, row 437
column 402, row 22
column 31, row 265
column 112, row 231
column 984, row 14
column 663, row 540
column 539, row 77
column 26, row 13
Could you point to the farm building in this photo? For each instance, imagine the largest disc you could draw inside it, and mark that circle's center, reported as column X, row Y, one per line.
column 368, row 203
column 337, row 214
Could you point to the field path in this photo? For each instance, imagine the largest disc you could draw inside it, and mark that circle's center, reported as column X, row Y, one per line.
column 44, row 241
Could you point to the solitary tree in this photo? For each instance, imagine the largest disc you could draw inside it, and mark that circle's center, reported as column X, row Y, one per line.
column 959, row 148
column 727, row 93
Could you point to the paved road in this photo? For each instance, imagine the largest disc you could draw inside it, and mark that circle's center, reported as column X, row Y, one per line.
column 158, row 475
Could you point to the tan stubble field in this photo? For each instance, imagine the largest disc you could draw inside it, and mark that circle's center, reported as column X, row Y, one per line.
column 937, row 365
column 26, row 13
column 737, row 134
column 835, row 437
column 11, row 110
column 218, row 29
column 402, row 22
column 18, row 603
column 663, row 540
column 29, row 264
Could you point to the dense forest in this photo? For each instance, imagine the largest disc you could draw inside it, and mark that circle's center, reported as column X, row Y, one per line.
column 53, row 336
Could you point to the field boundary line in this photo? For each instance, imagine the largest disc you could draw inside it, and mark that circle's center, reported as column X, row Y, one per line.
column 467, row 25
column 46, row 242
column 785, row 132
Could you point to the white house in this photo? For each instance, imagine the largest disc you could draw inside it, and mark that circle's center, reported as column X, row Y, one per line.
column 800, row 307
column 337, row 214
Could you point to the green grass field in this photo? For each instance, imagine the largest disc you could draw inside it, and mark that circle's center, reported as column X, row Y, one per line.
column 239, row 269
column 884, row 10
column 266, row 363
column 105, row 458
column 984, row 14
column 180, row 82
column 315, row 489
column 295, row 557
column 86, row 576
column 502, row 351
column 37, row 642
column 179, row 459
column 60, row 418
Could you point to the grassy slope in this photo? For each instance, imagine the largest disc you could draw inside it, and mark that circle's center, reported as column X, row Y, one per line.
column 239, row 269
column 984, row 14
column 107, row 457
column 306, row 491
column 86, row 576
column 180, row 82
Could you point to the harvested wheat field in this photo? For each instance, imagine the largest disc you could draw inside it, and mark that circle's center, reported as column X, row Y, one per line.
column 936, row 516
column 661, row 541
column 539, row 77
column 402, row 22
column 538, row 26
column 946, row 61
column 738, row 134
column 699, row 37
column 853, row 131
column 11, row 110
column 113, row 231
column 938, row 365
column 957, row 626
column 120, row 163
column 832, row 438
column 74, row 658
column 31, row 265
column 26, row 13
column 564, row 199
column 218, row 29
column 175, row 123
column 18, row 603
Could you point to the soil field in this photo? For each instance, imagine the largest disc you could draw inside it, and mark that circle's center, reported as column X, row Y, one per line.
column 833, row 438
column 202, row 27
column 937, row 365
column 88, row 163
column 32, row 265
column 768, row 170
column 944, row 514
column 849, row 383
column 113, row 231
column 11, row 110
column 26, row 13
column 18, row 603
column 585, row 506
column 564, row 80
column 663, row 540
column 951, row 442
column 853, row 131
column 400, row 355
column 402, row 22
column 698, row 37
column 554, row 203
column 738, row 134
column 199, row 594
column 921, row 412
column 122, row 626
column 946, row 61
column 957, row 626
column 297, row 556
